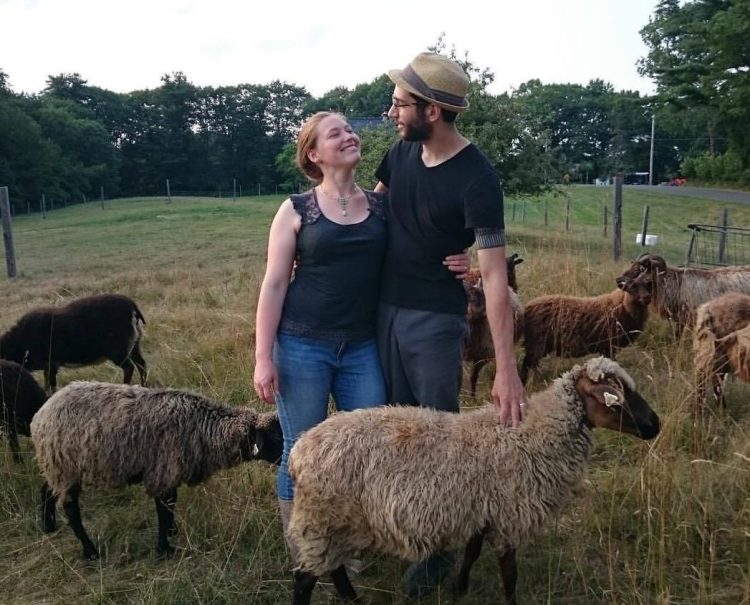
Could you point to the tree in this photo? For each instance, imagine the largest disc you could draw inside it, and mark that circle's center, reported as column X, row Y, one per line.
column 699, row 57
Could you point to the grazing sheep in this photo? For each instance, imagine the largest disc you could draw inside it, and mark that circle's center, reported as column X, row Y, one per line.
column 478, row 348
column 414, row 481
column 677, row 292
column 718, row 342
column 21, row 397
column 571, row 326
column 109, row 435
column 86, row 331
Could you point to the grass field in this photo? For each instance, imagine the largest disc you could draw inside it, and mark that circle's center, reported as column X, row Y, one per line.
column 665, row 522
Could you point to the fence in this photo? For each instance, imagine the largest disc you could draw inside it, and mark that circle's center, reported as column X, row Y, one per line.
column 718, row 246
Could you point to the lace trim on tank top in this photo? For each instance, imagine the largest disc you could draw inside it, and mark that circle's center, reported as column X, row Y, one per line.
column 306, row 205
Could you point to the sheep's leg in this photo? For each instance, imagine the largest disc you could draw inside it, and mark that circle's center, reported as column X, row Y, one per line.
column 471, row 554
column 73, row 512
column 13, row 441
column 47, row 509
column 128, row 367
column 303, row 586
column 165, row 514
column 343, row 585
column 478, row 365
column 140, row 363
column 50, row 377
column 509, row 572
column 527, row 365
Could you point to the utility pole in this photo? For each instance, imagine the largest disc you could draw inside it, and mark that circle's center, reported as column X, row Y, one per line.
column 651, row 157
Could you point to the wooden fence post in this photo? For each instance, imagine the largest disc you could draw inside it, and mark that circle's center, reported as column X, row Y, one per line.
column 567, row 214
column 644, row 228
column 101, row 195
column 546, row 207
column 606, row 210
column 169, row 193
column 10, row 254
column 43, row 204
column 617, row 220
column 723, row 237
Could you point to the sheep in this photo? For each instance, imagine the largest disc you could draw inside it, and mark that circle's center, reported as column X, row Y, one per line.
column 109, row 435
column 21, row 397
column 716, row 341
column 85, row 331
column 479, row 348
column 571, row 326
column 677, row 292
column 412, row 481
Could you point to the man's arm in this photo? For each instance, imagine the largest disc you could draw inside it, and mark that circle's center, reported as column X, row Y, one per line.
column 507, row 390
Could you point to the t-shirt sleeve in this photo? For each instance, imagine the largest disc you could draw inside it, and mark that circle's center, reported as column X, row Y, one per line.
column 483, row 205
column 383, row 171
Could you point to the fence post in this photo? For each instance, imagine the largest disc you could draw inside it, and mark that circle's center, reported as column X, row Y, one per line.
column 617, row 220
column 546, row 207
column 723, row 237
column 101, row 195
column 644, row 228
column 523, row 212
column 169, row 193
column 43, row 204
column 567, row 213
column 513, row 214
column 10, row 254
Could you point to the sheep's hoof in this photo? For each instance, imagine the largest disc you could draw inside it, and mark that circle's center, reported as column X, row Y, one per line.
column 90, row 554
column 165, row 552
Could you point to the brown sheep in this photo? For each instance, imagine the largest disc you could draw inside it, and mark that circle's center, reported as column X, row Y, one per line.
column 86, row 331
column 718, row 343
column 571, row 326
column 478, row 348
column 677, row 292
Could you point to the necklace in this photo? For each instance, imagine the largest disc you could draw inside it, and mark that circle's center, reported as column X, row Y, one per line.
column 342, row 200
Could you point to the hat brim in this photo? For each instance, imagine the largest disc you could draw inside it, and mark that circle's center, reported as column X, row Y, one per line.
column 397, row 77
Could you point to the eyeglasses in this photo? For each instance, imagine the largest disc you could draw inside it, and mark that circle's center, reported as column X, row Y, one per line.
column 396, row 104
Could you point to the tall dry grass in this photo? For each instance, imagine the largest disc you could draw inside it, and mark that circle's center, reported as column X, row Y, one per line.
column 665, row 522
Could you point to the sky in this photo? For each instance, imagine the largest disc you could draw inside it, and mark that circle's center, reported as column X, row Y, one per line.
column 128, row 45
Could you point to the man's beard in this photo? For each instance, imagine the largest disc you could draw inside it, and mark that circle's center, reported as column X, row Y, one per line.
column 420, row 130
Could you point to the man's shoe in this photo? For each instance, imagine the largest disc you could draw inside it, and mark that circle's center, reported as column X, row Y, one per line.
column 424, row 576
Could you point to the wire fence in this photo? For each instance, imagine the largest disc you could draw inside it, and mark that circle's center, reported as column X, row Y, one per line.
column 718, row 246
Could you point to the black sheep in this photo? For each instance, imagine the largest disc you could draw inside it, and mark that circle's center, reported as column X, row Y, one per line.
column 21, row 397
column 86, row 331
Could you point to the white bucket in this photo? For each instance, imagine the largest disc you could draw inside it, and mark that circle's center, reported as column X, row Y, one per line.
column 651, row 239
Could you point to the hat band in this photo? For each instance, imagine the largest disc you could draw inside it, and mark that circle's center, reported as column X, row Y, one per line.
column 418, row 84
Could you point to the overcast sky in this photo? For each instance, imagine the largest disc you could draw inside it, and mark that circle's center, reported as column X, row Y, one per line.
column 128, row 45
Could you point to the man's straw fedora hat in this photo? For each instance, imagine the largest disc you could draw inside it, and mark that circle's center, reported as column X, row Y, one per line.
column 436, row 79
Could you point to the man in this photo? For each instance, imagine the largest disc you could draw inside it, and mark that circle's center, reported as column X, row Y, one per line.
column 444, row 196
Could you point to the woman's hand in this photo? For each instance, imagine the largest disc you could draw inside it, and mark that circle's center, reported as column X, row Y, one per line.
column 266, row 381
column 458, row 263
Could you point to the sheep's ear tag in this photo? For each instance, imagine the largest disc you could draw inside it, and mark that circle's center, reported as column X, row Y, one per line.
column 611, row 399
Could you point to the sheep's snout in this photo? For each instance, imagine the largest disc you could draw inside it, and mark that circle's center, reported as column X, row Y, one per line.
column 618, row 409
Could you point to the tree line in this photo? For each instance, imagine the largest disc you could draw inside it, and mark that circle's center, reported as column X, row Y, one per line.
column 74, row 139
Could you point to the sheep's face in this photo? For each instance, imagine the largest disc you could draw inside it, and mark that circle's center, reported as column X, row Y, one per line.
column 477, row 306
column 641, row 288
column 269, row 439
column 612, row 405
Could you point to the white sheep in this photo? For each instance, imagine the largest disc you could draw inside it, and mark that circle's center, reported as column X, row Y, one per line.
column 412, row 481
column 108, row 435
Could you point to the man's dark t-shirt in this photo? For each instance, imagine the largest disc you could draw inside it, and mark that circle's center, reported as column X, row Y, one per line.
column 432, row 213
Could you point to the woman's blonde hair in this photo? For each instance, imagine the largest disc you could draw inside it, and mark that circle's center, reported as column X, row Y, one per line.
column 306, row 140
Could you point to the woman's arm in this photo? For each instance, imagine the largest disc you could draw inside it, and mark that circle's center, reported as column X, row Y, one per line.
column 282, row 243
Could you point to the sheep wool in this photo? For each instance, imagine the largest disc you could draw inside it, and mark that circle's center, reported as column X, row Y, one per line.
column 110, row 435
column 413, row 481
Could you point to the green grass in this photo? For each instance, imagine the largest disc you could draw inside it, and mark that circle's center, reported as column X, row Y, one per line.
column 665, row 522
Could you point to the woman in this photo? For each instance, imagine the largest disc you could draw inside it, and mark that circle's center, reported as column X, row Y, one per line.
column 315, row 335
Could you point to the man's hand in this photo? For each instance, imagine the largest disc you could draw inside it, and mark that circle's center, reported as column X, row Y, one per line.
column 509, row 397
column 266, row 381
column 458, row 263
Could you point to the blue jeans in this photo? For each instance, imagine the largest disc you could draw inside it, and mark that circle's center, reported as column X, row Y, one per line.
column 310, row 371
